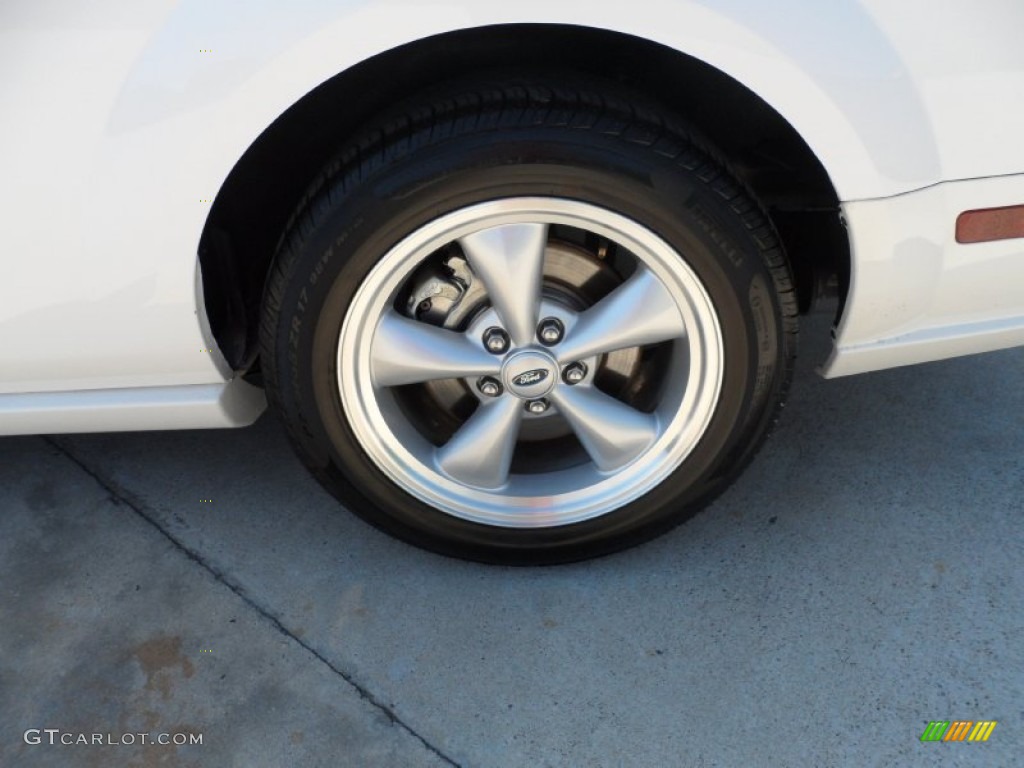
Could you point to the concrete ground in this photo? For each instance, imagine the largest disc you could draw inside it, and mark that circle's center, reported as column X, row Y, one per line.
column 863, row 578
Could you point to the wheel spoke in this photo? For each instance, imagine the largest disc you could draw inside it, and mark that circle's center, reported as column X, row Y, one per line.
column 640, row 311
column 611, row 432
column 481, row 451
column 510, row 261
column 406, row 351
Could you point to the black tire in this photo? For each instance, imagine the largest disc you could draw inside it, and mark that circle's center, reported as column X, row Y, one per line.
column 469, row 143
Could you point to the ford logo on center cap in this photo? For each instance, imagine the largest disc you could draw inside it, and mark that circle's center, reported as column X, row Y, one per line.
column 529, row 378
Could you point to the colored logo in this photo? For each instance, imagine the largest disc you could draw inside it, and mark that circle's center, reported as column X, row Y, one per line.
column 958, row 730
column 530, row 377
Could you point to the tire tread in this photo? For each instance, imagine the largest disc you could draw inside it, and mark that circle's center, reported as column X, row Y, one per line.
column 501, row 102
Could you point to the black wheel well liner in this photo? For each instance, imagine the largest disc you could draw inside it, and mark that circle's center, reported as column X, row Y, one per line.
column 252, row 208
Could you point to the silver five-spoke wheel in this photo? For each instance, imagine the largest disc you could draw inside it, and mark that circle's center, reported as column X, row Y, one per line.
column 521, row 340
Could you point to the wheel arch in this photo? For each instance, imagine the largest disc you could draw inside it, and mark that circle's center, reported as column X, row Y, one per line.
column 252, row 208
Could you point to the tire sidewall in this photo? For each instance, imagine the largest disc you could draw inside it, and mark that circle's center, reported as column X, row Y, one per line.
column 366, row 218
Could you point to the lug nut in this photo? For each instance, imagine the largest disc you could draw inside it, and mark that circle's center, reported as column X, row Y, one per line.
column 537, row 407
column 550, row 331
column 488, row 386
column 574, row 374
column 496, row 341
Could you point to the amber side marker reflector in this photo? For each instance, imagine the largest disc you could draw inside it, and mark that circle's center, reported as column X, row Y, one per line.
column 988, row 224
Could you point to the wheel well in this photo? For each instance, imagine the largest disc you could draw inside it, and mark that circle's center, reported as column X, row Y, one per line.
column 252, row 209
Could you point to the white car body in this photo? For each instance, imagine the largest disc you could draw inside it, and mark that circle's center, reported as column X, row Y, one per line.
column 122, row 119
